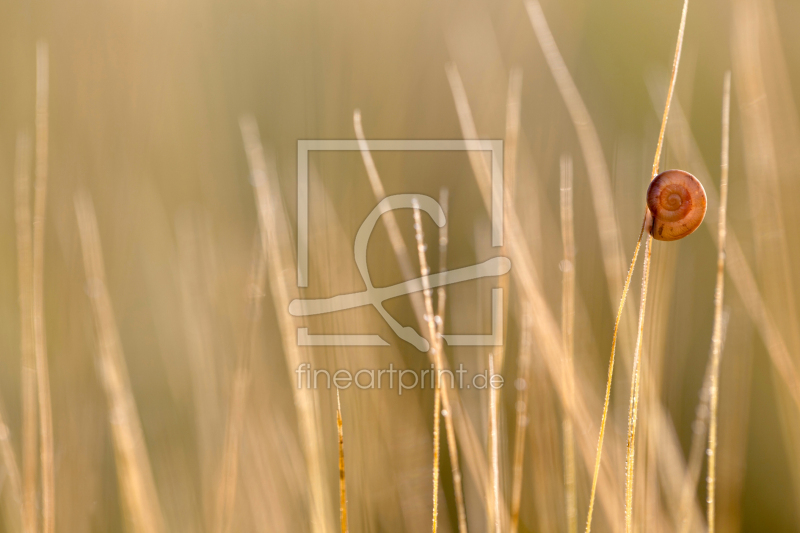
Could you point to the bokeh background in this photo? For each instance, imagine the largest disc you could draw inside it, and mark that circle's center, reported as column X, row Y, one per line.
column 145, row 101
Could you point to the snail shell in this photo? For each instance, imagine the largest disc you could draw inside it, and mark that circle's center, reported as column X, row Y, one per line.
column 676, row 205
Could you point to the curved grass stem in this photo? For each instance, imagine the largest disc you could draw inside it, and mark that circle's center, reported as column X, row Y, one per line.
column 633, row 409
column 604, row 417
column 645, row 276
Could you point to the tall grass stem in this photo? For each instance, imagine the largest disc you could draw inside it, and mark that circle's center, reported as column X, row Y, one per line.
column 40, row 339
column 718, row 300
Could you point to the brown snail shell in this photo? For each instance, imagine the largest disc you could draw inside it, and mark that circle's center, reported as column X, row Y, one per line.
column 676, row 205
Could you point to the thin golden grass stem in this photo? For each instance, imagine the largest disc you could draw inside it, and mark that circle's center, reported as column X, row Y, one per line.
column 604, row 416
column 389, row 219
column 743, row 280
column 269, row 209
column 513, row 119
column 437, row 408
column 14, row 514
column 513, row 108
column 718, row 297
column 226, row 493
column 40, row 342
column 770, row 134
column 741, row 273
column 684, row 149
column 591, row 148
column 567, row 331
column 436, row 349
column 592, row 152
column 633, row 408
column 495, row 447
column 699, row 442
column 458, row 489
column 658, row 446
column 342, row 478
column 545, row 327
column 632, row 415
column 12, row 495
column 645, row 274
column 134, row 474
column 441, row 293
column 441, row 299
column 30, row 432
column 523, row 372
column 673, row 78
column 451, row 402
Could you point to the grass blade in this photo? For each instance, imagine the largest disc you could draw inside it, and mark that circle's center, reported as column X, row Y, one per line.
column 342, row 479
column 40, row 342
column 441, row 299
column 522, row 418
column 233, row 432
column 718, row 296
column 645, row 276
column 436, row 343
column 494, row 447
column 389, row 219
column 134, row 474
column 699, row 441
column 451, row 401
column 592, row 149
column 607, row 399
column 633, row 408
column 269, row 211
column 567, row 332
column 30, row 432
column 545, row 328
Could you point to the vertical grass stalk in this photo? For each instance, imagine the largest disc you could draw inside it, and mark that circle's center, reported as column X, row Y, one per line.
column 633, row 408
column 495, row 447
column 699, row 444
column 226, row 494
column 567, row 332
column 269, row 208
column 545, row 327
column 342, row 478
column 632, row 414
column 607, row 399
column 40, row 342
column 718, row 296
column 523, row 385
column 634, row 399
column 436, row 349
column 417, row 302
column 591, row 148
column 389, row 219
column 441, row 299
column 30, row 433
column 135, row 477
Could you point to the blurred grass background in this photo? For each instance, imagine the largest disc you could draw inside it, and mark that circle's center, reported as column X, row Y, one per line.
column 145, row 100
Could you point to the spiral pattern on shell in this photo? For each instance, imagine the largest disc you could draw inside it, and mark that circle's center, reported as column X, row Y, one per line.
column 676, row 205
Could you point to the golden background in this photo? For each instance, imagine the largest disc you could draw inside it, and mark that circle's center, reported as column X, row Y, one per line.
column 144, row 108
